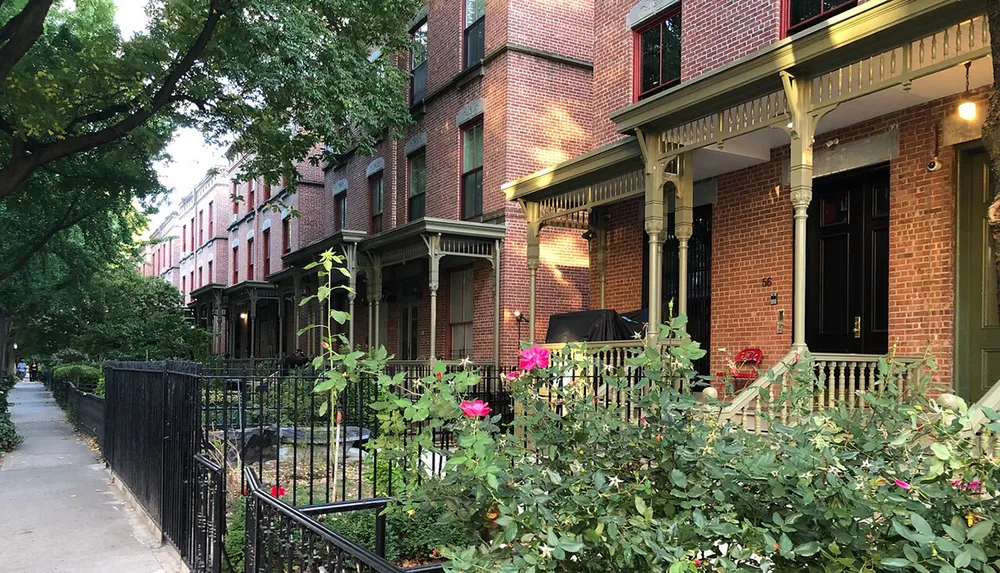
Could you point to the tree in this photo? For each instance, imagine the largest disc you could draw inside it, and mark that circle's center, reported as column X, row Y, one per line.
column 278, row 76
column 991, row 138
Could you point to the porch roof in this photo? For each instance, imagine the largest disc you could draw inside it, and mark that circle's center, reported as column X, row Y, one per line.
column 210, row 288
column 307, row 254
column 877, row 45
column 458, row 238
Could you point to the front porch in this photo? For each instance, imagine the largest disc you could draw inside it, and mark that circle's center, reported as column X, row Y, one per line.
column 852, row 113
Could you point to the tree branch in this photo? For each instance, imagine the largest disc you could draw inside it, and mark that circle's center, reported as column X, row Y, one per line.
column 20, row 33
column 64, row 223
column 22, row 165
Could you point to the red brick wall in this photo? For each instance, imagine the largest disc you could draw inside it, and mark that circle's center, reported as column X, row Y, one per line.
column 717, row 33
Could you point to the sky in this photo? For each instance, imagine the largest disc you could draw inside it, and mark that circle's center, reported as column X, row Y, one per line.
column 191, row 156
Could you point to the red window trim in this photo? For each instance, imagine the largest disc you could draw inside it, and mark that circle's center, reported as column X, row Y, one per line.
column 266, row 236
column 236, row 265
column 786, row 16
column 637, row 94
column 211, row 221
column 250, row 256
column 286, row 236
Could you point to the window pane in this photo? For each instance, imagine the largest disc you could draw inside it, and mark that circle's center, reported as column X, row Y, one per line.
column 801, row 10
column 831, row 4
column 472, row 148
column 416, row 208
column 455, row 298
column 472, row 194
column 474, row 10
column 419, row 50
column 377, row 224
column 671, row 63
column 468, row 296
column 418, row 166
column 649, row 47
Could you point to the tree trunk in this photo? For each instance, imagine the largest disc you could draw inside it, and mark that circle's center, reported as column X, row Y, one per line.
column 991, row 137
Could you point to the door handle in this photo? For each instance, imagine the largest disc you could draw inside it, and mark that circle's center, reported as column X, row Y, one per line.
column 857, row 327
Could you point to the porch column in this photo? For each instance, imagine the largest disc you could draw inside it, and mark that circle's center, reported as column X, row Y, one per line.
column 683, row 224
column 801, row 131
column 433, row 243
column 351, row 260
column 297, row 302
column 252, row 320
column 602, row 261
column 533, row 252
column 496, row 303
column 655, row 226
column 281, row 324
column 375, row 299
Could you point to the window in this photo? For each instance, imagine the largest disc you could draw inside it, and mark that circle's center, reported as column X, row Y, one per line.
column 192, row 233
column 472, row 171
column 251, row 191
column 267, row 190
column 250, row 274
column 266, row 235
column 340, row 211
column 375, row 184
column 184, row 238
column 201, row 277
column 211, row 277
column 409, row 332
column 286, row 236
column 211, row 221
column 460, row 300
column 418, row 185
column 800, row 14
column 191, row 280
column 201, row 227
column 418, row 63
column 236, row 203
column 475, row 27
column 658, row 55
column 184, row 287
column 236, row 265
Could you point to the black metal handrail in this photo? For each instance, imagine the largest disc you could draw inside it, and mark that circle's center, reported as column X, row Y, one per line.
column 291, row 534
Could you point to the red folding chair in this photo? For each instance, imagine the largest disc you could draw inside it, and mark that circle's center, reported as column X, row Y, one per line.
column 743, row 370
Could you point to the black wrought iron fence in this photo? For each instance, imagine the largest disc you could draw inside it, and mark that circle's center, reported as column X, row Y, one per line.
column 281, row 538
column 208, row 517
column 84, row 410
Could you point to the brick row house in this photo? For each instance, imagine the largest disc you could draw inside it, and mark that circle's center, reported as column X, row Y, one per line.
column 791, row 174
column 425, row 229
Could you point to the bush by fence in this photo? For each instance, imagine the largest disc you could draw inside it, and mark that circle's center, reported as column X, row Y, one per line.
column 8, row 433
column 83, row 409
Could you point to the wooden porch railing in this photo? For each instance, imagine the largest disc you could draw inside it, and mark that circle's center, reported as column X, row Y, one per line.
column 842, row 379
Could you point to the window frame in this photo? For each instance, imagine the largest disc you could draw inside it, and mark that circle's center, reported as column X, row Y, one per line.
column 478, row 23
column 657, row 21
column 184, row 238
column 465, row 128
column 376, row 216
column 265, row 236
column 236, row 264
column 201, row 277
column 340, row 210
column 250, row 262
column 414, row 67
column 251, row 195
column 286, row 236
column 409, row 331
column 211, row 220
column 421, row 153
column 788, row 29
column 210, row 275
column 201, row 227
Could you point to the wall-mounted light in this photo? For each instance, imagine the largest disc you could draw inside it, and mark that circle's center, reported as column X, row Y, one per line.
column 243, row 316
column 967, row 109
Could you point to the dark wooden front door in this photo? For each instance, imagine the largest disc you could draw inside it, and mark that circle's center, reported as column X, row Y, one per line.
column 847, row 270
column 977, row 318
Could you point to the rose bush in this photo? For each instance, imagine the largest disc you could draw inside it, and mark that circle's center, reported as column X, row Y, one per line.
column 581, row 485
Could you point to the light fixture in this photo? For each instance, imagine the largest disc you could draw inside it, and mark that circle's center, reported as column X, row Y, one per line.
column 520, row 317
column 967, row 109
column 243, row 316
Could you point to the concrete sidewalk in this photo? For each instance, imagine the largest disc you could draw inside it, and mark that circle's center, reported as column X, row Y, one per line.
column 57, row 510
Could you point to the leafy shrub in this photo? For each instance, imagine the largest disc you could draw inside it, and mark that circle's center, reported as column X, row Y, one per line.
column 409, row 538
column 68, row 356
column 897, row 484
column 6, row 383
column 236, row 533
column 8, row 433
column 85, row 377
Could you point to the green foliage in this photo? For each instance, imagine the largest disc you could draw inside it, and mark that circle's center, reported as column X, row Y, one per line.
column 85, row 377
column 409, row 537
column 236, row 533
column 8, row 433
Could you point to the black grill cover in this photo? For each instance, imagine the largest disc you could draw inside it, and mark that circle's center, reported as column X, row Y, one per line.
column 590, row 326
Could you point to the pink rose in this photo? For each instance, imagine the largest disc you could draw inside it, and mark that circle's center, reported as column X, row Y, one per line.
column 514, row 375
column 534, row 357
column 902, row 484
column 475, row 409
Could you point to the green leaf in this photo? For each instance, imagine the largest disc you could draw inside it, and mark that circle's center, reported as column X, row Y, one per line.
column 640, row 505
column 678, row 477
column 896, row 562
column 941, row 451
column 963, row 559
column 979, row 531
column 920, row 524
column 807, row 549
